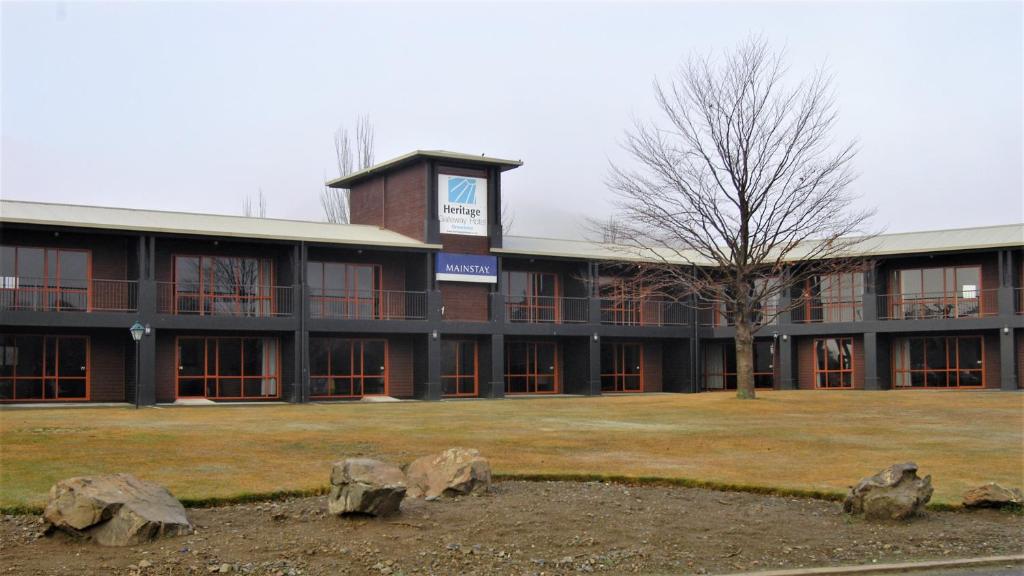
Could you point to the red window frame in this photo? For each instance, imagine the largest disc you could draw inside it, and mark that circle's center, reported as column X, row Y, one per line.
column 620, row 305
column 728, row 374
column 56, row 377
column 321, row 305
column 266, row 304
column 950, row 295
column 356, row 380
column 846, row 375
column 534, row 308
column 952, row 370
column 458, row 377
column 533, row 375
column 618, row 374
column 217, row 377
column 9, row 295
column 838, row 302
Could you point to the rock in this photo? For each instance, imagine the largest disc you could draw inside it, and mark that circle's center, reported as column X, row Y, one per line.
column 895, row 493
column 365, row 486
column 453, row 472
column 115, row 510
column 992, row 495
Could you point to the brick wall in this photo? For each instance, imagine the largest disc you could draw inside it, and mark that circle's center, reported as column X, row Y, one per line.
column 465, row 301
column 166, row 368
column 1019, row 335
column 109, row 254
column 993, row 373
column 400, row 367
column 805, row 363
column 107, row 368
column 395, row 201
column 652, row 352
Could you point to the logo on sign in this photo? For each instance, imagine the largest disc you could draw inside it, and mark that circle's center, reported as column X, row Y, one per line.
column 460, row 208
column 462, row 190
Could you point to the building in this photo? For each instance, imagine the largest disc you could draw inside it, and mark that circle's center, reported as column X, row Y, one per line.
column 423, row 297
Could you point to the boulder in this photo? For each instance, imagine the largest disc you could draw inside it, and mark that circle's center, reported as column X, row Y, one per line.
column 365, row 486
column 992, row 495
column 115, row 510
column 895, row 493
column 454, row 472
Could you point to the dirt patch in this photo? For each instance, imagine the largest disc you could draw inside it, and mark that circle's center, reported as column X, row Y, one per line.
column 526, row 528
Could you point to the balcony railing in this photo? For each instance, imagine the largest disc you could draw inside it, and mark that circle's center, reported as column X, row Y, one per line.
column 938, row 305
column 642, row 312
column 44, row 295
column 369, row 305
column 829, row 310
column 548, row 309
column 717, row 315
column 259, row 301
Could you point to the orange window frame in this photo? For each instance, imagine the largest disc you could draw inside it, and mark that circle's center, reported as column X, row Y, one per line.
column 950, row 352
column 207, row 295
column 10, row 294
column 216, row 377
column 458, row 376
column 820, row 346
column 533, row 305
column 616, row 301
column 532, row 376
column 618, row 374
column 14, row 378
column 841, row 297
column 350, row 298
column 725, row 348
column 950, row 294
column 353, row 377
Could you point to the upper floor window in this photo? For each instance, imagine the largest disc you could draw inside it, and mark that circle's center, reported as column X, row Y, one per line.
column 229, row 285
column 341, row 290
column 531, row 296
column 949, row 292
column 832, row 298
column 44, row 278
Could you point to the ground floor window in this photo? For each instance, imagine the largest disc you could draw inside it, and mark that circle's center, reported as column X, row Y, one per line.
column 939, row 362
column 459, row 367
column 347, row 367
column 40, row 367
column 531, row 368
column 833, row 363
column 228, row 368
column 621, row 367
column 720, row 365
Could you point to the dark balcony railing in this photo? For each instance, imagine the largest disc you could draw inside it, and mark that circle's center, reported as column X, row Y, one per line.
column 642, row 312
column 35, row 294
column 829, row 310
column 938, row 305
column 547, row 309
column 368, row 305
column 259, row 301
column 717, row 315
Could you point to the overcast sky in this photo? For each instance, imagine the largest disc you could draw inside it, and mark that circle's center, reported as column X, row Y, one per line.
column 194, row 106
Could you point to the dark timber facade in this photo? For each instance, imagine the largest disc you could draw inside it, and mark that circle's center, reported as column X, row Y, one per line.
column 243, row 309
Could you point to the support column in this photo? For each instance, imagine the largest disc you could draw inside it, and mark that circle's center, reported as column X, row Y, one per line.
column 497, row 375
column 594, row 366
column 1007, row 364
column 786, row 381
column 434, row 387
column 871, row 380
column 147, row 369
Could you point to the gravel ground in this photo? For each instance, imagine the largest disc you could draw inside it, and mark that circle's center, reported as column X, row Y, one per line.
column 524, row 528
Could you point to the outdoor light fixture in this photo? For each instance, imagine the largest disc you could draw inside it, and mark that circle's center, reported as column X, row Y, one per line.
column 596, row 338
column 434, row 334
column 785, row 337
column 1006, row 329
column 137, row 330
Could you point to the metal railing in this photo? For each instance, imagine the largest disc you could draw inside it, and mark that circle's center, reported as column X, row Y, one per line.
column 368, row 305
column 824, row 310
column 938, row 305
column 548, row 309
column 714, row 314
column 642, row 312
column 259, row 301
column 48, row 295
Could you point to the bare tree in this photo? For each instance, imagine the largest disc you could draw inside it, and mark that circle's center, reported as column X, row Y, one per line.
column 335, row 201
column 508, row 217
column 742, row 185
column 255, row 207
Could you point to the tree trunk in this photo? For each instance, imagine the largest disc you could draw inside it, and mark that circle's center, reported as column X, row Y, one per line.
column 744, row 361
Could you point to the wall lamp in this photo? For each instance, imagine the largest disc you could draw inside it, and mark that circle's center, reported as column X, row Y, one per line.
column 785, row 337
column 1006, row 329
column 433, row 334
column 596, row 337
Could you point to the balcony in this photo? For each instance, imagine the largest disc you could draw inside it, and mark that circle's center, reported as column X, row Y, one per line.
column 548, row 310
column 185, row 299
column 824, row 310
column 642, row 312
column 39, row 295
column 368, row 305
column 938, row 305
column 716, row 315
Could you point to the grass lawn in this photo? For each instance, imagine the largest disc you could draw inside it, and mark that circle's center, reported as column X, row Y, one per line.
column 799, row 440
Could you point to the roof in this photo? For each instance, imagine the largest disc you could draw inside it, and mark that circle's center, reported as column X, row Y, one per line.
column 348, row 181
column 42, row 213
column 955, row 240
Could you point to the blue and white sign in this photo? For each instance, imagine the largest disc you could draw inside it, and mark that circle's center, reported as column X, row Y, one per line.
column 462, row 205
column 466, row 268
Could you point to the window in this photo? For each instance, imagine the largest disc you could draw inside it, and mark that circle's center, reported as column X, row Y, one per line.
column 459, row 367
column 951, row 292
column 346, row 291
column 620, row 301
column 347, row 368
column 223, row 285
column 939, row 362
column 833, row 363
column 531, row 296
column 34, row 367
column 621, row 367
column 833, row 298
column 720, row 365
column 44, row 278
column 228, row 368
column 531, row 368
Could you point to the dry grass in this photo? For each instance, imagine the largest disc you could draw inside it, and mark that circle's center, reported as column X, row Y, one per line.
column 821, row 441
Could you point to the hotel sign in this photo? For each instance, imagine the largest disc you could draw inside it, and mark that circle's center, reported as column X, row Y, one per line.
column 462, row 205
column 466, row 268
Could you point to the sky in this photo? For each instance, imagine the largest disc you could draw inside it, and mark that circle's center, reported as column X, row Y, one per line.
column 195, row 106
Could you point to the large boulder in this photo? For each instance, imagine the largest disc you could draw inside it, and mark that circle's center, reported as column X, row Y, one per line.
column 454, row 472
column 895, row 493
column 992, row 495
column 365, row 486
column 115, row 510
